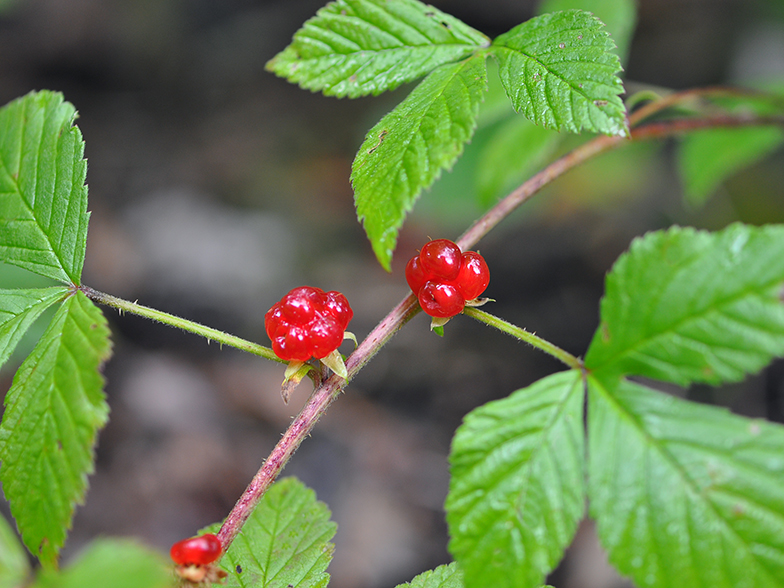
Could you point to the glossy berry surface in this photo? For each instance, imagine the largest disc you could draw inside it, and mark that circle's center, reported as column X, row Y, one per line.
column 196, row 551
column 444, row 279
column 307, row 322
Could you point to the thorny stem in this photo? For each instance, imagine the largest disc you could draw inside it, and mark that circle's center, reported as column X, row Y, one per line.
column 523, row 335
column 329, row 389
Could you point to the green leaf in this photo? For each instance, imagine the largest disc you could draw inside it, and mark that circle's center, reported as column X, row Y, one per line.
column 447, row 576
column 707, row 157
column 18, row 310
column 620, row 16
column 690, row 306
column 560, row 72
column 685, row 494
column 517, row 149
column 52, row 415
column 517, row 490
column 284, row 543
column 14, row 567
column 43, row 198
column 115, row 563
column 359, row 47
column 407, row 150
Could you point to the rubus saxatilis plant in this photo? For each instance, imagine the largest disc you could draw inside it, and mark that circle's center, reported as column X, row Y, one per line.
column 682, row 494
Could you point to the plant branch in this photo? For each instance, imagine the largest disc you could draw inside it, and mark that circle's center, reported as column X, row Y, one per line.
column 304, row 422
column 523, row 335
column 169, row 319
column 325, row 394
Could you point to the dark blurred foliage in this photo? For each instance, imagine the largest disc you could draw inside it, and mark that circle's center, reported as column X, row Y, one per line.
column 215, row 187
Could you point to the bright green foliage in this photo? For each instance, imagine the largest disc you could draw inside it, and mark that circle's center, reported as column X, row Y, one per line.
column 18, row 310
column 52, row 415
column 448, row 576
column 620, row 16
column 690, row 306
column 518, row 148
column 406, row 151
column 517, row 490
column 685, row 494
column 284, row 543
column 14, row 568
column 706, row 158
column 112, row 563
column 358, row 47
column 560, row 72
column 43, row 198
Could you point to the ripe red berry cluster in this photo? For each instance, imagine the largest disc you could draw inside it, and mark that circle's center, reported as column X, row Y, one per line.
column 307, row 322
column 444, row 278
column 196, row 551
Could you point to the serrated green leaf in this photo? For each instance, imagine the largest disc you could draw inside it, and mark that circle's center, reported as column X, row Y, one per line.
column 52, row 415
column 620, row 16
column 514, row 152
column 43, row 197
column 112, row 563
column 707, row 157
column 447, row 576
column 517, row 490
column 14, row 568
column 407, row 150
column 18, row 310
column 685, row 494
column 560, row 72
column 691, row 306
column 359, row 47
column 284, row 544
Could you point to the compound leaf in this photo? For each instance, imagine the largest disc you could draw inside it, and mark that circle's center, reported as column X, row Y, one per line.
column 447, row 576
column 118, row 563
column 407, row 150
column 620, row 16
column 18, row 310
column 560, row 71
column 359, row 47
column 517, row 490
column 690, row 306
column 14, row 567
column 285, row 543
column 53, row 411
column 685, row 494
column 43, row 197
column 707, row 157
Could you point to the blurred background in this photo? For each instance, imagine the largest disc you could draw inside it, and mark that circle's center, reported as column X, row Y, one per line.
column 216, row 187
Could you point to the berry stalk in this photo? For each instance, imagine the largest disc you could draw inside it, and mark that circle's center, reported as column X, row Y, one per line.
column 174, row 321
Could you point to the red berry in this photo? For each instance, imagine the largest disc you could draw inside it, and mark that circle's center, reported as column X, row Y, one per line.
column 441, row 259
column 474, row 275
column 307, row 322
column 443, row 278
column 440, row 299
column 196, row 551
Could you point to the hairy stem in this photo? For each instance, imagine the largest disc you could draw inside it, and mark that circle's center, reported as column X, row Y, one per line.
column 169, row 319
column 523, row 335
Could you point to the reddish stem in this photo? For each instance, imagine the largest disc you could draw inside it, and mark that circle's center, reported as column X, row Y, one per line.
column 325, row 394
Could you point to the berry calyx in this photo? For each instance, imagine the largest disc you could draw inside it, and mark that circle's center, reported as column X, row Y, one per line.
column 307, row 322
column 197, row 551
column 444, row 279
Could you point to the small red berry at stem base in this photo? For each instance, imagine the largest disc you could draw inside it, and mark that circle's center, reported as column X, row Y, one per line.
column 415, row 275
column 196, row 551
column 441, row 259
column 440, row 300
